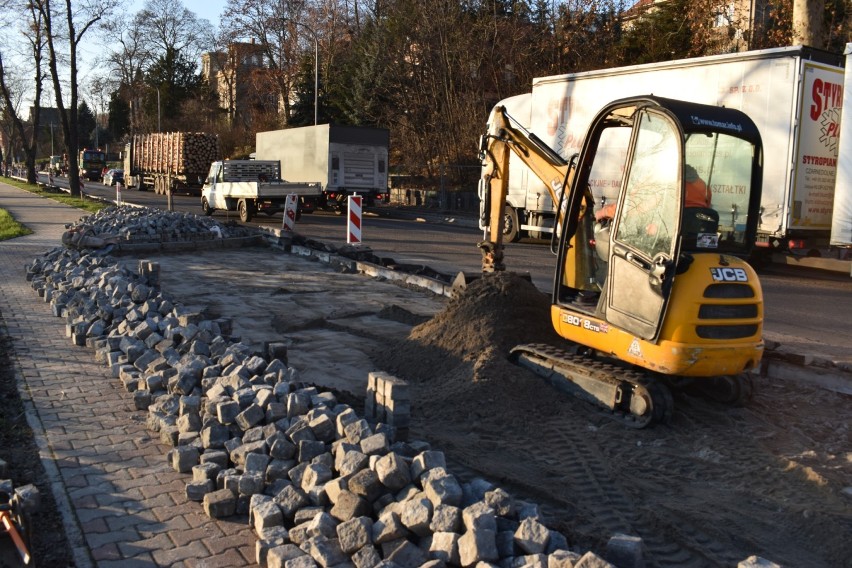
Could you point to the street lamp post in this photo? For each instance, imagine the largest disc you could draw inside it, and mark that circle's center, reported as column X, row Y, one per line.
column 316, row 65
column 316, row 77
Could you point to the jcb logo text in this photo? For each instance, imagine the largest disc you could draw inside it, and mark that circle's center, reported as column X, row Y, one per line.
column 729, row 274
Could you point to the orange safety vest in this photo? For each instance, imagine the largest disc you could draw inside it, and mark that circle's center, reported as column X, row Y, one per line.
column 697, row 194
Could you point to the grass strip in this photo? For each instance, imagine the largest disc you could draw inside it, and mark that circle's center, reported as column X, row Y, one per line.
column 9, row 228
column 86, row 204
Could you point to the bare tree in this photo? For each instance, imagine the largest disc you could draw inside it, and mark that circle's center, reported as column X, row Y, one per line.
column 169, row 26
column 69, row 23
column 219, row 69
column 127, row 62
column 12, row 85
column 274, row 25
column 131, row 52
column 34, row 35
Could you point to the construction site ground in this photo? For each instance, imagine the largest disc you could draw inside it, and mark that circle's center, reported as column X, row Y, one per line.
column 717, row 485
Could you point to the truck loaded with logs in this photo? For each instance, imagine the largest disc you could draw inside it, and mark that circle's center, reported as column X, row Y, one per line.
column 170, row 161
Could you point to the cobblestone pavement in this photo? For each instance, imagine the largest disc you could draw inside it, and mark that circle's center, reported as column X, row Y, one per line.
column 121, row 502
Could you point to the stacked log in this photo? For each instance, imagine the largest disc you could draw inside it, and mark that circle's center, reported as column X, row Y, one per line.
column 176, row 153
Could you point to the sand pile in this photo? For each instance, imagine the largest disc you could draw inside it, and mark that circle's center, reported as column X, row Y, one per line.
column 457, row 362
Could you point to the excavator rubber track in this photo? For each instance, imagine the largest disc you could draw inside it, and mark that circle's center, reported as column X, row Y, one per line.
column 630, row 397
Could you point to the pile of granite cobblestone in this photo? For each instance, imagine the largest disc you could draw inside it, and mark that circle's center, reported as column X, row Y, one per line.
column 320, row 484
column 127, row 224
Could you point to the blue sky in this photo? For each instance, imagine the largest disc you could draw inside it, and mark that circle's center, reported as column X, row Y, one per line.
column 207, row 9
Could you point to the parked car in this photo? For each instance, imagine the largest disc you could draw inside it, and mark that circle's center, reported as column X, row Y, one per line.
column 113, row 176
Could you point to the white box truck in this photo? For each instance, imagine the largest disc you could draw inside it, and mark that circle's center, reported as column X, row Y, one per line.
column 841, row 221
column 793, row 94
column 346, row 160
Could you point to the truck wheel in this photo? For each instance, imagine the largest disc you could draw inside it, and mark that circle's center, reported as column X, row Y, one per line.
column 511, row 228
column 205, row 207
column 245, row 210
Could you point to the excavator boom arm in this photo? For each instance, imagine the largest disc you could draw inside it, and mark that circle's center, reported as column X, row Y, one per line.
column 506, row 136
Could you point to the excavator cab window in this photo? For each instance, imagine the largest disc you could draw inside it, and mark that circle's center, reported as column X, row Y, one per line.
column 718, row 221
column 648, row 215
column 646, row 226
column 645, row 222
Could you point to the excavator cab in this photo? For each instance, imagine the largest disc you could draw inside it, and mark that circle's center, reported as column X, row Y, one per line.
column 653, row 222
column 638, row 159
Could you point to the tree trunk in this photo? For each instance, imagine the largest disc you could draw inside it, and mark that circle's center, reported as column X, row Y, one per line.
column 808, row 23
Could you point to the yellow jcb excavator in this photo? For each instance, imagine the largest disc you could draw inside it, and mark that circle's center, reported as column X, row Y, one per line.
column 655, row 293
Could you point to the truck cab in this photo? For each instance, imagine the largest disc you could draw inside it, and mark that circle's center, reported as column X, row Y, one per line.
column 56, row 166
column 92, row 164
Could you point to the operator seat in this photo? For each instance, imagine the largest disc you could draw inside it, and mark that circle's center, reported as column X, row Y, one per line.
column 698, row 221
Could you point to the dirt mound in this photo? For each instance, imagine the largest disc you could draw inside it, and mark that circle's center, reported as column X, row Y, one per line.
column 481, row 324
column 498, row 310
column 457, row 362
column 463, row 350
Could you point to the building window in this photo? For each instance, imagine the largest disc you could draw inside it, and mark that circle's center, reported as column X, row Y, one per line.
column 724, row 16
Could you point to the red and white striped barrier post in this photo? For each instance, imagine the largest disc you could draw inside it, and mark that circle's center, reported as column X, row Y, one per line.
column 289, row 222
column 353, row 226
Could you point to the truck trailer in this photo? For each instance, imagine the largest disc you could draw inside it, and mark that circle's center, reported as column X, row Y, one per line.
column 170, row 161
column 346, row 160
column 841, row 219
column 794, row 95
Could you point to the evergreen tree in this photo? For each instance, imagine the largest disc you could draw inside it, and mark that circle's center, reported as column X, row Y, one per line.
column 172, row 78
column 302, row 109
column 118, row 123
column 86, row 125
column 358, row 94
column 661, row 34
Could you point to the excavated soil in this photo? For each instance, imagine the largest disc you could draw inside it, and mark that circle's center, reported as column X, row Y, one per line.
column 713, row 487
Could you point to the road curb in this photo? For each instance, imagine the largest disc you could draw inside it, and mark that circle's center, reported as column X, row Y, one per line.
column 280, row 239
column 832, row 379
column 189, row 245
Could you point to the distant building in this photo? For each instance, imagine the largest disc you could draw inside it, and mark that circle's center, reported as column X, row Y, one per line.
column 47, row 116
column 735, row 22
column 239, row 78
